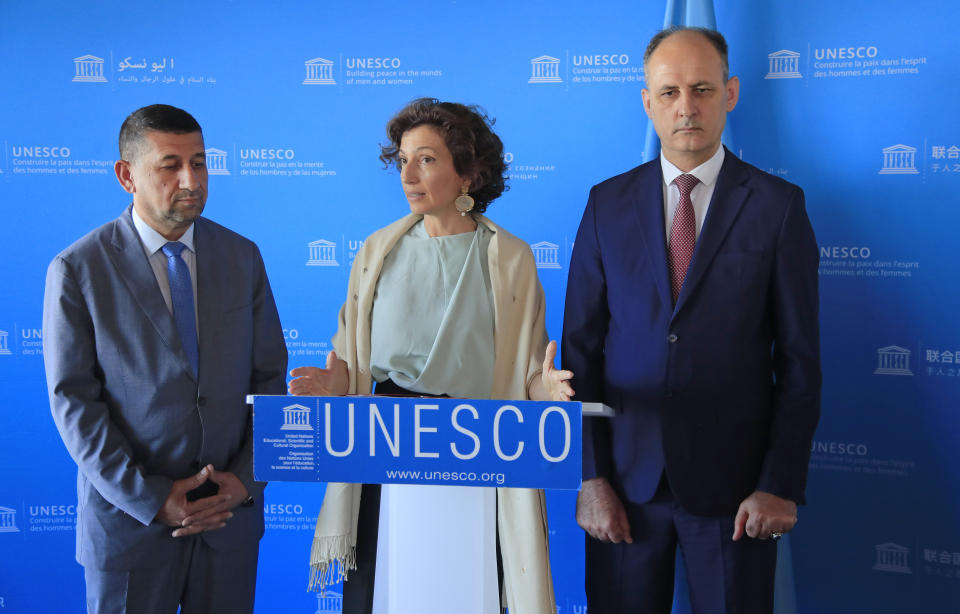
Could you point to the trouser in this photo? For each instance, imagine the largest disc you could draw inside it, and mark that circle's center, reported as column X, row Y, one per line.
column 198, row 580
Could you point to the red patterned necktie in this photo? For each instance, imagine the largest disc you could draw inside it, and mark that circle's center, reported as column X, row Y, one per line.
column 683, row 234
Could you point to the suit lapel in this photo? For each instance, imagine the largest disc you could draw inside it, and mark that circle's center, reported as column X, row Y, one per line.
column 131, row 264
column 648, row 206
column 728, row 199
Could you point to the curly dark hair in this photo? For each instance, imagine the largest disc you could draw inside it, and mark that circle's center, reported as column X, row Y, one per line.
column 468, row 133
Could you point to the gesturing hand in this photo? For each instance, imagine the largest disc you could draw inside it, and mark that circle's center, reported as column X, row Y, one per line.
column 333, row 381
column 556, row 383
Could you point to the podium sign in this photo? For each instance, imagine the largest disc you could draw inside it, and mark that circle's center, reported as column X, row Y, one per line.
column 409, row 440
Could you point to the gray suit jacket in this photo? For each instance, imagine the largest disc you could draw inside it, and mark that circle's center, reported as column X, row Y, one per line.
column 123, row 396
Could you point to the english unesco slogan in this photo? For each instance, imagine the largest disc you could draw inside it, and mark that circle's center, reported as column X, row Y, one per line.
column 394, row 440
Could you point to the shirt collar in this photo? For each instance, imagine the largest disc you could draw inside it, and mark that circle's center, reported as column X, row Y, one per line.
column 152, row 240
column 707, row 172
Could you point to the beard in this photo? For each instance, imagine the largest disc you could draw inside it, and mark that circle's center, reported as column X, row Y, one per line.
column 182, row 212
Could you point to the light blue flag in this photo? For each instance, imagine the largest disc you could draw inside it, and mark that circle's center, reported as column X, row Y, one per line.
column 700, row 13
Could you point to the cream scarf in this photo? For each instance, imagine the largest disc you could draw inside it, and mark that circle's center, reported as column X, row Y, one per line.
column 519, row 314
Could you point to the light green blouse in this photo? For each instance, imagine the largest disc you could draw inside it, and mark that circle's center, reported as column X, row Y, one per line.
column 432, row 320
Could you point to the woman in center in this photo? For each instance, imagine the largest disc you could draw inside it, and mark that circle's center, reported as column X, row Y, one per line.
column 442, row 302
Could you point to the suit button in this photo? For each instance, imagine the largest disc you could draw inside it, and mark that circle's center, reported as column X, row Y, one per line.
column 202, row 401
column 195, row 465
column 672, row 338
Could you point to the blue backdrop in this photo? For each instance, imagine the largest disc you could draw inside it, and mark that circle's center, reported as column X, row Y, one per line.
column 854, row 101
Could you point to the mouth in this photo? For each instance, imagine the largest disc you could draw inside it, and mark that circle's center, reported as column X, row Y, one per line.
column 687, row 130
column 415, row 195
column 189, row 199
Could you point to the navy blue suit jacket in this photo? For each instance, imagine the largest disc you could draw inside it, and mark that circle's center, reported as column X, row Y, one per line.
column 130, row 411
column 723, row 389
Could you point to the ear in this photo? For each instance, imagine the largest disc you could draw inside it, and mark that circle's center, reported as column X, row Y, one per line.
column 645, row 94
column 124, row 175
column 468, row 179
column 733, row 93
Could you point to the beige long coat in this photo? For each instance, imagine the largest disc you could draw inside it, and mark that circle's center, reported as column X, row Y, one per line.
column 519, row 345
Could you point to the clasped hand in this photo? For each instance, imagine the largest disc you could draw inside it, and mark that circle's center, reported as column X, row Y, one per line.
column 206, row 514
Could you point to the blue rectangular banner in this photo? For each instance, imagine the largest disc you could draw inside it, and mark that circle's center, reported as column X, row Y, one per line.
column 410, row 440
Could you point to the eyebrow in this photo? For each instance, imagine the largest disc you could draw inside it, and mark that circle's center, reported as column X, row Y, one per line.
column 421, row 148
column 671, row 86
column 199, row 154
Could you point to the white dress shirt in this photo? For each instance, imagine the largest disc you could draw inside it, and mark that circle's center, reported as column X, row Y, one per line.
column 701, row 194
column 153, row 242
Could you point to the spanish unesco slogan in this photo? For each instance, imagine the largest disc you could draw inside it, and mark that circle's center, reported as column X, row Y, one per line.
column 410, row 440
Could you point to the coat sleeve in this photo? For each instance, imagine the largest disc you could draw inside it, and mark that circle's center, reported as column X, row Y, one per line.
column 585, row 321
column 344, row 341
column 536, row 317
column 269, row 374
column 74, row 384
column 796, row 356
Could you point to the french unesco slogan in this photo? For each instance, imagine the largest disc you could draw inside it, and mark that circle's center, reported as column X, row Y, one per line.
column 409, row 440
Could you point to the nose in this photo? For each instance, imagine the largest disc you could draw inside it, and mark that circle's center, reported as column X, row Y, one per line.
column 190, row 177
column 686, row 107
column 408, row 174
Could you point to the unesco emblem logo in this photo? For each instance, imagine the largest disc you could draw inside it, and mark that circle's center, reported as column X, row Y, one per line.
column 545, row 69
column 4, row 343
column 88, row 69
column 899, row 160
column 319, row 72
column 329, row 602
column 892, row 558
column 546, row 255
column 217, row 162
column 893, row 360
column 322, row 253
column 296, row 418
column 8, row 520
column 784, row 64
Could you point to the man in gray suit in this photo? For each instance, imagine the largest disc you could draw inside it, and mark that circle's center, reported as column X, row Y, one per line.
column 155, row 327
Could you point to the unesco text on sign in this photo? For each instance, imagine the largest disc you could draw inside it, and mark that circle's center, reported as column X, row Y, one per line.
column 408, row 440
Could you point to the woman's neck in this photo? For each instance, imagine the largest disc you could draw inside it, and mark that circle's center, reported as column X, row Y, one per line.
column 444, row 225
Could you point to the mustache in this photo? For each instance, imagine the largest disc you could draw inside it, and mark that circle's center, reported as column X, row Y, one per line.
column 182, row 194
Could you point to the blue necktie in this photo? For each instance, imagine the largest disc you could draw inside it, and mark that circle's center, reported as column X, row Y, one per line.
column 181, row 294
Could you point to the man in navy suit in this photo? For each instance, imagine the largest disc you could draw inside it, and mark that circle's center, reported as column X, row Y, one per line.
column 692, row 310
column 155, row 328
